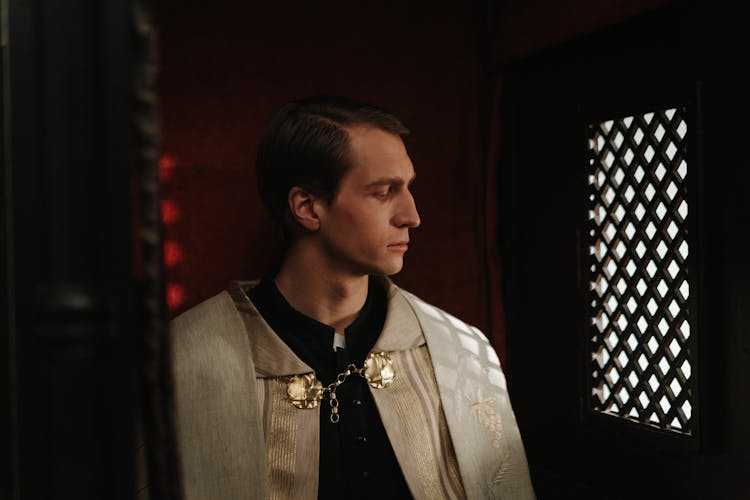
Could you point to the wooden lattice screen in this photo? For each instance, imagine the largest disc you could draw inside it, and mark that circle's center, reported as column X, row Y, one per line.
column 641, row 347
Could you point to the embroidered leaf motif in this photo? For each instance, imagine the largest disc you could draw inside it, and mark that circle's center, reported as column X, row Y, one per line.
column 487, row 416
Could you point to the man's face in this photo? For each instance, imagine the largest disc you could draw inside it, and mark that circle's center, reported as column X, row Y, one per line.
column 365, row 229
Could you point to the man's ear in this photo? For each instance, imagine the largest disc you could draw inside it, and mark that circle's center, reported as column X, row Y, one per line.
column 302, row 206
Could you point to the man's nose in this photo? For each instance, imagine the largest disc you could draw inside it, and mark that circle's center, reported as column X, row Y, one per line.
column 408, row 215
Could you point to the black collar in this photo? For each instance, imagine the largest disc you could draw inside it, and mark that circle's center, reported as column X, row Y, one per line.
column 311, row 340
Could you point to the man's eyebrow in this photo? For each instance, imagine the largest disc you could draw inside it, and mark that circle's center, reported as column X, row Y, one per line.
column 390, row 181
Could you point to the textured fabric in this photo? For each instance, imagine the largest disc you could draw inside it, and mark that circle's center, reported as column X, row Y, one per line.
column 218, row 431
column 475, row 401
column 411, row 409
column 465, row 439
column 292, row 441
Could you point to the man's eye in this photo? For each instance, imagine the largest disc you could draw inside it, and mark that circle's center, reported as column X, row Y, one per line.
column 381, row 195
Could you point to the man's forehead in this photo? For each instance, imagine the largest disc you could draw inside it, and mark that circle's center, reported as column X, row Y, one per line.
column 370, row 140
column 375, row 173
column 379, row 155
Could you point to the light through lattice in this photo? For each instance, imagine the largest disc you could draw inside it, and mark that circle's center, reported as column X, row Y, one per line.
column 640, row 340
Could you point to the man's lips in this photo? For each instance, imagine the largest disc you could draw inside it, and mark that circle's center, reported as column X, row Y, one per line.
column 401, row 245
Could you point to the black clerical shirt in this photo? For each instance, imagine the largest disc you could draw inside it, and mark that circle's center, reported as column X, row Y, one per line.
column 356, row 457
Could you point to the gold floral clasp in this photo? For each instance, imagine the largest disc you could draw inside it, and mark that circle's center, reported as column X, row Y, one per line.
column 378, row 370
column 305, row 391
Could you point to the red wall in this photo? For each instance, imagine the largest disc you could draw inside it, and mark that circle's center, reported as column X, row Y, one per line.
column 226, row 66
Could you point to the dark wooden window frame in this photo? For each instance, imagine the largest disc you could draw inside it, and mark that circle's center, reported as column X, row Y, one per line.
column 629, row 101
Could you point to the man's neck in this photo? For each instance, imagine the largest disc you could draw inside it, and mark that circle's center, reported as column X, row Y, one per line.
column 332, row 297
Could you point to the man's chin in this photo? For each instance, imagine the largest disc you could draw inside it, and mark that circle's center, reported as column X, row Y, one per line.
column 395, row 269
column 383, row 267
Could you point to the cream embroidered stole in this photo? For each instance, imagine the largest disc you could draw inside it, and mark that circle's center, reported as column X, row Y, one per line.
column 448, row 393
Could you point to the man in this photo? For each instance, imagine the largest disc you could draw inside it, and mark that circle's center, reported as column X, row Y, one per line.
column 324, row 379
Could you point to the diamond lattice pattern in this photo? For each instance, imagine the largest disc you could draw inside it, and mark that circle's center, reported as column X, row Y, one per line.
column 640, row 341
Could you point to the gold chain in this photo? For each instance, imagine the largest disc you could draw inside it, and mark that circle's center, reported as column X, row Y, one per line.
column 331, row 389
column 306, row 392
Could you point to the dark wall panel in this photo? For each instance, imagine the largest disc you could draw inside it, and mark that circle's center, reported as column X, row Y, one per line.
column 687, row 49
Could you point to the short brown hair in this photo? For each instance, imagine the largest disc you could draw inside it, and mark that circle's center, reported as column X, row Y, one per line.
column 306, row 144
